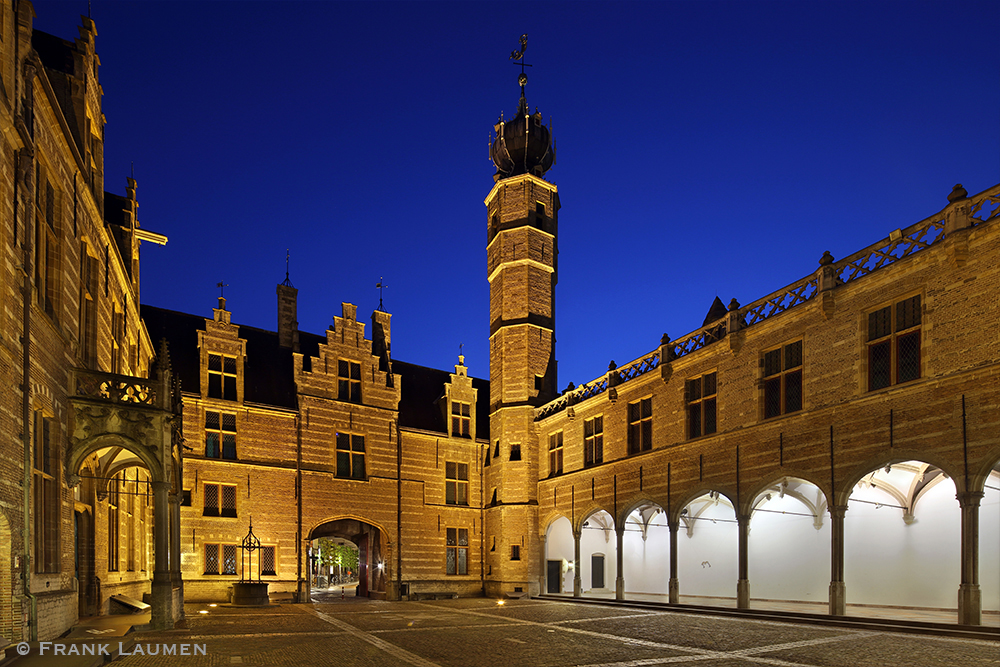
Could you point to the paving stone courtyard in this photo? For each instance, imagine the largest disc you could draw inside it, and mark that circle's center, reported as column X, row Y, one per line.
column 529, row 633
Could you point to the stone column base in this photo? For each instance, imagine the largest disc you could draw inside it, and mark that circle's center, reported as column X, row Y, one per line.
column 743, row 594
column 970, row 610
column 675, row 591
column 620, row 588
column 162, row 602
column 838, row 598
column 577, row 587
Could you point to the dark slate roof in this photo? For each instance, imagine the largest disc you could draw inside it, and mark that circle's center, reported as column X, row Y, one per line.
column 56, row 53
column 422, row 387
column 717, row 311
column 269, row 378
column 181, row 332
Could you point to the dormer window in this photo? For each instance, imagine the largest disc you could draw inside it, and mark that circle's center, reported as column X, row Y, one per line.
column 460, row 419
column 349, row 381
column 222, row 377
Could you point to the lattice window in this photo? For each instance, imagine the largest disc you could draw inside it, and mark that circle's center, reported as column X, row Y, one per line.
column 267, row 561
column 456, row 486
column 47, row 253
column 894, row 344
column 350, row 456
column 228, row 559
column 460, row 419
column 457, row 556
column 220, row 435
column 220, row 558
column 220, row 500
column 348, row 381
column 211, row 559
column 114, row 522
column 701, row 405
column 222, row 377
column 556, row 453
column 46, row 494
column 593, row 441
column 515, row 552
column 783, row 380
column 640, row 426
column 88, row 308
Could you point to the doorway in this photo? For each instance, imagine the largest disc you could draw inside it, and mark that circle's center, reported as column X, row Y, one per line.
column 554, row 576
column 597, row 571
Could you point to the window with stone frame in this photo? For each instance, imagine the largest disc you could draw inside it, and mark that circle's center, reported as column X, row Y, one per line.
column 268, row 563
column 117, row 336
column 782, row 368
column 351, row 456
column 515, row 451
column 46, row 494
column 348, row 381
column 456, row 483
column 220, row 500
column 894, row 344
column 640, row 426
column 222, row 377
column 700, row 398
column 555, row 453
column 131, row 491
column 460, row 419
column 515, row 552
column 47, row 254
column 220, row 558
column 457, row 554
column 593, row 441
column 220, row 435
column 88, row 307
column 114, row 522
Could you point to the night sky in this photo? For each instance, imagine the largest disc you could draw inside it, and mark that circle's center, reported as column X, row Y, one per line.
column 704, row 149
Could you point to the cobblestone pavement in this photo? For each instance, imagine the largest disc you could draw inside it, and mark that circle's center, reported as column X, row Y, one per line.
column 531, row 633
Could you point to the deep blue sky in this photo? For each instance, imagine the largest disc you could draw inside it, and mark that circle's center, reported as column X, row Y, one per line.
column 704, row 148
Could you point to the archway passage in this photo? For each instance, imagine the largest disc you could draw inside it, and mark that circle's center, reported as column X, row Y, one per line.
column 708, row 550
column 369, row 540
column 902, row 542
column 646, row 553
column 560, row 557
column 789, row 546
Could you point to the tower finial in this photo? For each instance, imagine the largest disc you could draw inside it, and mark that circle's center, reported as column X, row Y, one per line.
column 380, row 285
column 522, row 78
column 287, row 282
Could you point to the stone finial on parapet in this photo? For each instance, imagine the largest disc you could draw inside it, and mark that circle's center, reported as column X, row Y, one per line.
column 667, row 355
column 826, row 280
column 957, row 218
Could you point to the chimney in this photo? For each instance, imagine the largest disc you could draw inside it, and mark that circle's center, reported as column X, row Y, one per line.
column 288, row 324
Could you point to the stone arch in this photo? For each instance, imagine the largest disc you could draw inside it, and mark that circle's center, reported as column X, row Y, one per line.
column 634, row 503
column 977, row 478
column 375, row 562
column 682, row 507
column 753, row 497
column 550, row 519
column 78, row 453
column 859, row 471
column 590, row 510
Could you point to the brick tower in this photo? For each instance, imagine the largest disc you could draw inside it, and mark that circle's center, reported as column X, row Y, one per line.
column 521, row 266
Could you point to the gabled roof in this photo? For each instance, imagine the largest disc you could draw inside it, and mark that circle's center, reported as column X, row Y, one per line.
column 268, row 372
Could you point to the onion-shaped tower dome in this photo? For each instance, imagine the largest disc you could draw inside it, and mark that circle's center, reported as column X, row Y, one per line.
column 522, row 145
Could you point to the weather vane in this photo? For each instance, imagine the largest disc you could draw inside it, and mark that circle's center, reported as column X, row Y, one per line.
column 222, row 288
column 287, row 283
column 380, row 285
column 518, row 56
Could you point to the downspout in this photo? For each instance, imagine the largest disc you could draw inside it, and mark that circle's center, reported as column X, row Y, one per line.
column 399, row 513
column 25, row 158
column 298, row 503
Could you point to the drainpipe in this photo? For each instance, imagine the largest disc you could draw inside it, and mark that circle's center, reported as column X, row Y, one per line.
column 25, row 160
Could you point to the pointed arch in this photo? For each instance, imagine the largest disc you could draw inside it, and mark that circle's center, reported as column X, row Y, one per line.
column 77, row 454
